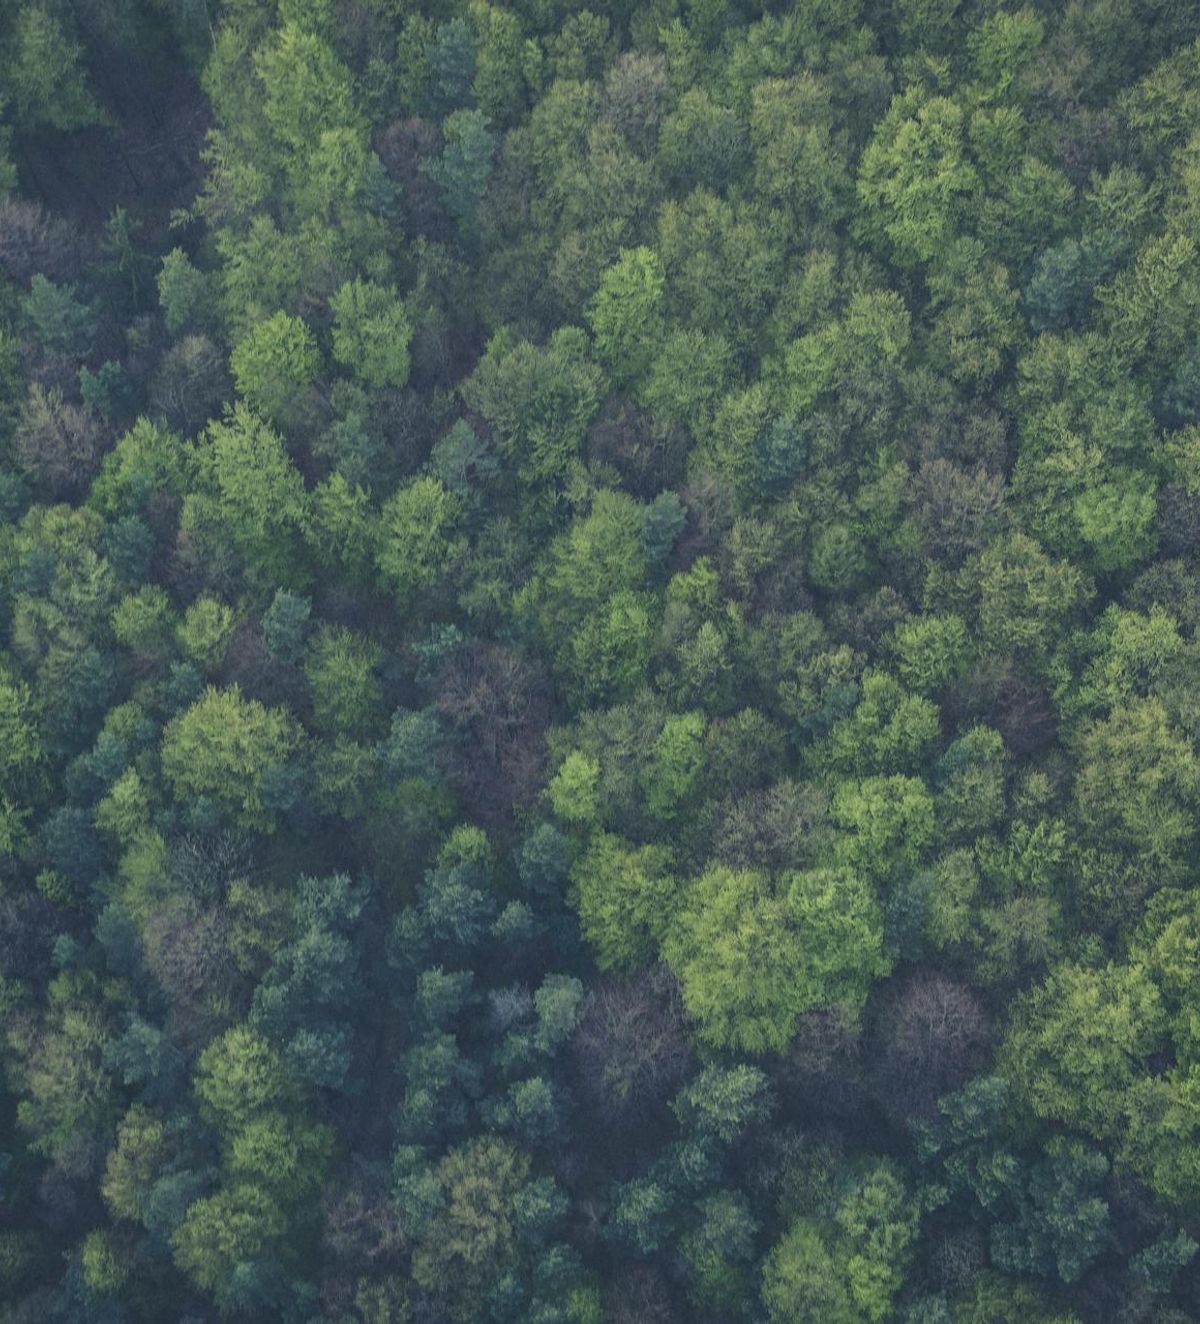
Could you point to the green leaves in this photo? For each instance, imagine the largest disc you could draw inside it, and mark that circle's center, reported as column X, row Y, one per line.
column 464, row 166
column 238, row 1077
column 625, row 896
column 846, row 1270
column 626, row 313
column 371, row 333
column 415, row 539
column 274, row 364
column 915, row 177
column 44, row 73
column 538, row 401
column 227, row 1232
column 1079, row 1041
column 751, row 958
column 259, row 494
column 223, row 746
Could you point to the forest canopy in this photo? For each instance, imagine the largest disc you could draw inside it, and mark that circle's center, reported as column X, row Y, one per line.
column 599, row 661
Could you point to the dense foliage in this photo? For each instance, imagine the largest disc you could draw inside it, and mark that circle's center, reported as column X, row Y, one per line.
column 599, row 671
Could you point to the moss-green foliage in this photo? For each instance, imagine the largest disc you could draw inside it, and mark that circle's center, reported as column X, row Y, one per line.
column 222, row 747
column 752, row 956
column 598, row 661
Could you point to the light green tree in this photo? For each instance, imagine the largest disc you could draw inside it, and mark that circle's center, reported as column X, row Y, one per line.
column 346, row 695
column 222, row 746
column 915, row 178
column 239, row 1076
column 415, row 538
column 626, row 313
column 752, row 958
column 625, row 895
column 1077, row 1043
column 274, row 364
column 224, row 1232
column 371, row 333
column 259, row 493
column 43, row 72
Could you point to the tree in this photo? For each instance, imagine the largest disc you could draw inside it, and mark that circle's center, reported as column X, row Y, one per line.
column 914, row 177
column 259, row 493
column 285, row 624
column 1161, row 1143
column 414, row 536
column 689, row 374
column 1077, row 1042
column 724, row 1103
column 717, row 1250
column 931, row 651
column 797, row 163
column 238, row 1076
column 972, row 776
column 469, row 1243
column 630, row 1045
column 273, row 366
column 800, row 1281
column 506, row 68
column 371, row 333
column 635, row 94
column 308, row 89
column 931, row 1033
column 58, row 319
column 778, row 456
column 538, row 402
column 843, row 939
column 68, row 1096
column 703, row 143
column 223, row 1234
column 346, row 696
column 886, row 822
column 626, row 313
column 223, row 746
column 185, row 293
column 281, row 1156
column 1136, row 788
column 849, row 1269
column 1150, row 307
column 977, row 325
column 624, row 895
column 57, row 444
column 464, row 166
column 676, row 765
column 610, row 651
column 1025, row 598
column 752, row 958
column 145, row 622
column 641, row 1209
column 314, row 981
column 190, row 386
column 205, row 632
column 889, row 732
column 876, row 1226
column 44, row 73
column 1116, row 521
column 598, row 557
column 135, row 1162
column 21, row 760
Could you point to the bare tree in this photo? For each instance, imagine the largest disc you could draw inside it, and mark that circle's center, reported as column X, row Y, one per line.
column 929, row 1036
column 630, row 1047
column 58, row 445
column 495, row 702
column 33, row 239
column 957, row 509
